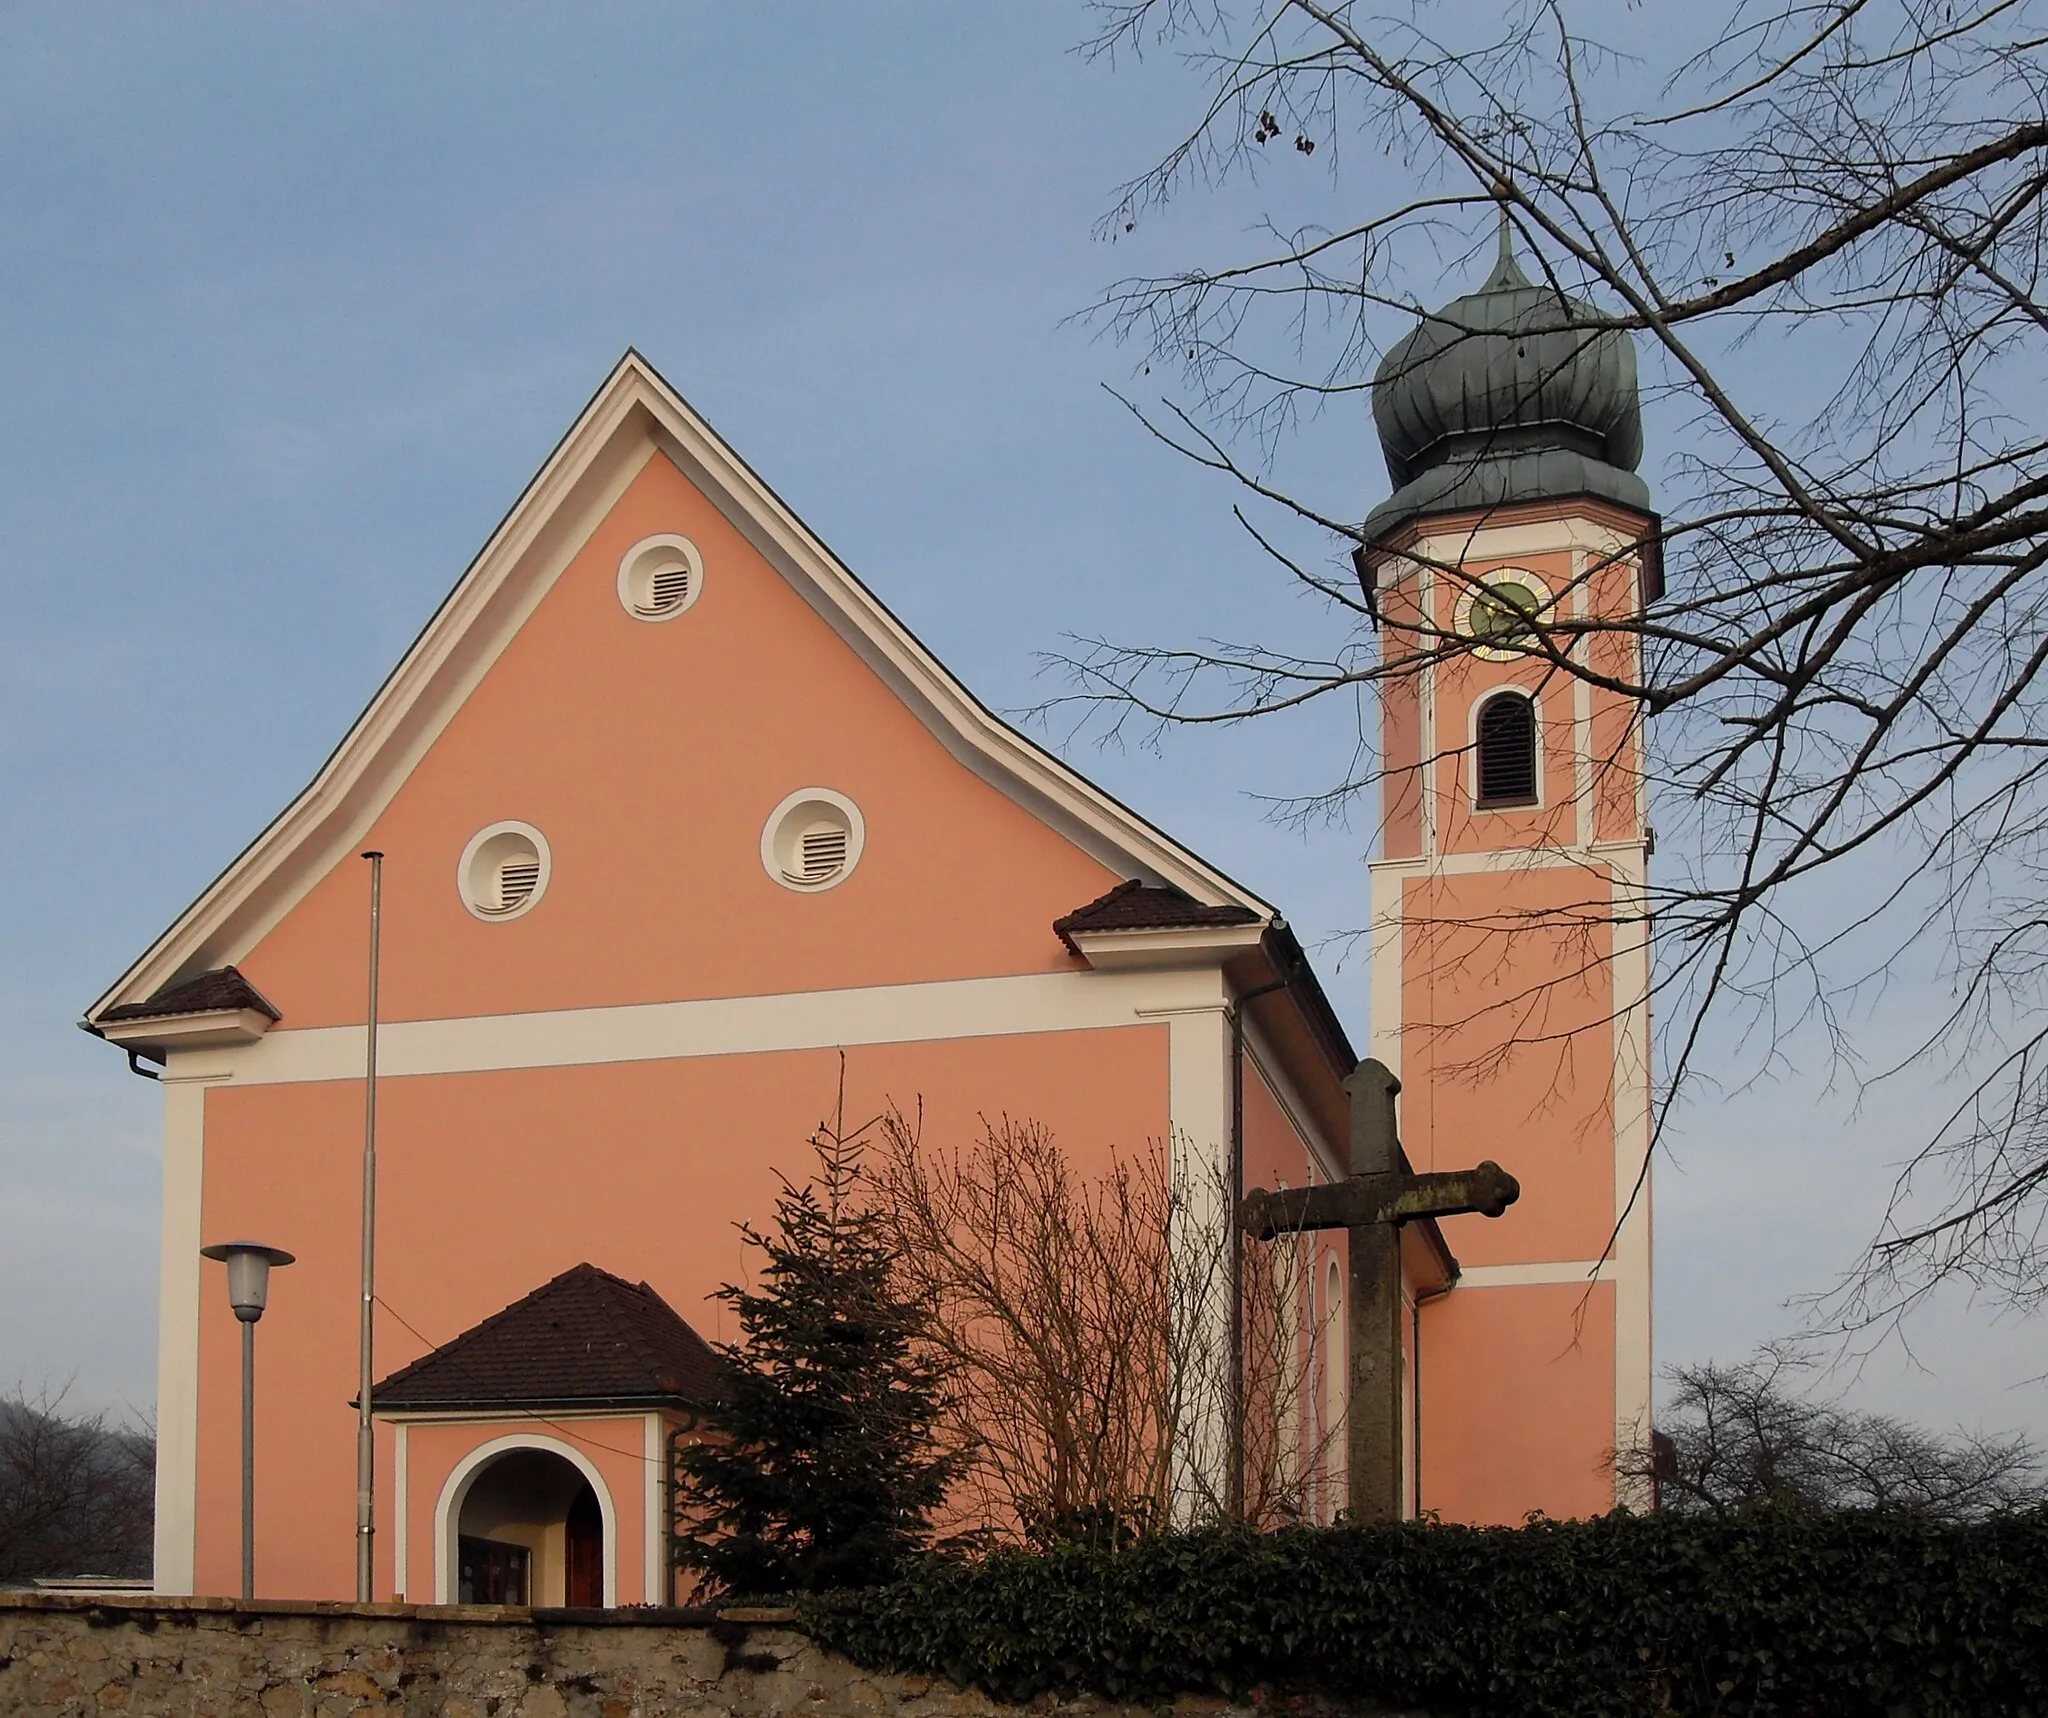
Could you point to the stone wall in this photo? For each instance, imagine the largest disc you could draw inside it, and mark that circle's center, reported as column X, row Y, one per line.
column 66, row 1656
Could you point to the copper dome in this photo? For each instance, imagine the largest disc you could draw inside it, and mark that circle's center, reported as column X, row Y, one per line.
column 1510, row 393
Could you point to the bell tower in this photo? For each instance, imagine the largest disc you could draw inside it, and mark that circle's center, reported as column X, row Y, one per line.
column 1510, row 969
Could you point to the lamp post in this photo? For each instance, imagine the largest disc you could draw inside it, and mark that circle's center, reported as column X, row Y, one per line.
column 248, row 1264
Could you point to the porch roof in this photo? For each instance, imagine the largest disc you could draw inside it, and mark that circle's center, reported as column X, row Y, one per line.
column 586, row 1338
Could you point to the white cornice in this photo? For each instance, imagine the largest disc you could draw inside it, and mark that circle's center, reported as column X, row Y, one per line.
column 213, row 1028
column 634, row 415
column 1148, row 950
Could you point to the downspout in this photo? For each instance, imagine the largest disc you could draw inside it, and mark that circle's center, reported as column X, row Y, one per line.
column 1233, row 1481
column 1415, row 1385
column 134, row 1056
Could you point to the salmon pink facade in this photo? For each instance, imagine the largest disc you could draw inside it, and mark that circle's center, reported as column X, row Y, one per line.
column 687, row 842
column 668, row 867
column 1510, row 982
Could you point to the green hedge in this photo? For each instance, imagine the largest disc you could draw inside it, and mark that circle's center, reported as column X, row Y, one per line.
column 1768, row 1612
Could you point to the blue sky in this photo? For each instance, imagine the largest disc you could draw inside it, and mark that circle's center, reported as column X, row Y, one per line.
column 294, row 299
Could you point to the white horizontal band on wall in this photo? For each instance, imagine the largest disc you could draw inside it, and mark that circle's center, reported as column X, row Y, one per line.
column 724, row 1026
column 1575, row 1271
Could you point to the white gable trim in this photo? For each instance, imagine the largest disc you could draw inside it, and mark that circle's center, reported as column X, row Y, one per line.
column 633, row 416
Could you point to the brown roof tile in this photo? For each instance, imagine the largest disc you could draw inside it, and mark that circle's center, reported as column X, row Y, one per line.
column 223, row 987
column 585, row 1337
column 1142, row 906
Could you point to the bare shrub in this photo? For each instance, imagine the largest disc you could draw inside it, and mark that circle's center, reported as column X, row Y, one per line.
column 1086, row 1321
column 1744, row 1434
column 77, row 1492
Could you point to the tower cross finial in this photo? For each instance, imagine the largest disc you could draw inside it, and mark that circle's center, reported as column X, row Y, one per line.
column 1507, row 273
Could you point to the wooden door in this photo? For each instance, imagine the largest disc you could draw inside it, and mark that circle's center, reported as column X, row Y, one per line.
column 584, row 1545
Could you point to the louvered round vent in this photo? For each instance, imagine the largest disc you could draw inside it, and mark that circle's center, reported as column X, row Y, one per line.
column 660, row 577
column 821, row 852
column 517, row 879
column 813, row 839
column 504, row 871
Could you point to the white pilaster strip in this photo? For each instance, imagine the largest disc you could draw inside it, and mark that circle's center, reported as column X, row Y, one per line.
column 1582, row 715
column 401, row 1509
column 1427, row 599
column 1385, row 974
column 1634, row 1355
column 1199, row 1160
column 177, row 1348
column 654, row 1588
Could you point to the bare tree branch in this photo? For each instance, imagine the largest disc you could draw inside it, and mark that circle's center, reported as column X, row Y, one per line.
column 1826, row 234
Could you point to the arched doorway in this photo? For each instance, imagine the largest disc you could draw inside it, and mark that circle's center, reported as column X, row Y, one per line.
column 527, row 1528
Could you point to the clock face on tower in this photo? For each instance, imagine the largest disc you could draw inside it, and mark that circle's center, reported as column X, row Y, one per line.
column 1494, row 613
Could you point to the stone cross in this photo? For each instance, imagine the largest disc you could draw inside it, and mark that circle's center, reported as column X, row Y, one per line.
column 1378, row 1198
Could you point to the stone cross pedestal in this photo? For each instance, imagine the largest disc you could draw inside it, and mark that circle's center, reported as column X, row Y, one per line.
column 1372, row 1205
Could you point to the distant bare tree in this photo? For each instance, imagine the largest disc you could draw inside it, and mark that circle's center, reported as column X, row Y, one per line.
column 1824, row 225
column 76, row 1492
column 1739, row 1435
column 1080, row 1317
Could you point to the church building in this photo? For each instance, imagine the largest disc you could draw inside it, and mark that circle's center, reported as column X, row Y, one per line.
column 680, row 826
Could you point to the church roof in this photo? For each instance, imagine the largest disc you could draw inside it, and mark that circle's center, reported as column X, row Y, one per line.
column 1510, row 393
column 1141, row 906
column 586, row 1338
column 223, row 987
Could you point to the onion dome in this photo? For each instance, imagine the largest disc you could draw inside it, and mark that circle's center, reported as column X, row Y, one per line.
column 1511, row 393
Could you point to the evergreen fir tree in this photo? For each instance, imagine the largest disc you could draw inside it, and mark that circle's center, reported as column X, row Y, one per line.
column 829, row 1470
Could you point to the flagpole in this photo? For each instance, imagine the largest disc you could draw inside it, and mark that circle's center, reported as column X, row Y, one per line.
column 366, row 1445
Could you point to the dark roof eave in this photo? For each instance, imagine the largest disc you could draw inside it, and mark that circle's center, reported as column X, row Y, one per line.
column 1291, row 966
column 1434, row 1234
column 538, row 1404
column 1133, row 907
column 213, row 992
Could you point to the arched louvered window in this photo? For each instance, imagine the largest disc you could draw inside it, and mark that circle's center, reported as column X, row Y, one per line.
column 1506, row 746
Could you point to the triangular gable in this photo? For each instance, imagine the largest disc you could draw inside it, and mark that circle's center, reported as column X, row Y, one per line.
column 632, row 417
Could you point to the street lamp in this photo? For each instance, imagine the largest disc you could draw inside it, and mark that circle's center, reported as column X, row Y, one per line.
column 248, row 1265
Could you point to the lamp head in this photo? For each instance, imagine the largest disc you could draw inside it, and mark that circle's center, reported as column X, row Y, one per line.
column 248, row 1265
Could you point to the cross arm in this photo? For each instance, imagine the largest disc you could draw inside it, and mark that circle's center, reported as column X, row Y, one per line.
column 1390, row 1197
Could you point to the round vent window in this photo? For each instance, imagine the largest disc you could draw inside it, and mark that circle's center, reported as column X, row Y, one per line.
column 504, row 871
column 813, row 839
column 660, row 577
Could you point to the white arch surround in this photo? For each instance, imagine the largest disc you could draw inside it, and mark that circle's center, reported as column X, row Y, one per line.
column 1493, row 695
column 455, row 1490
